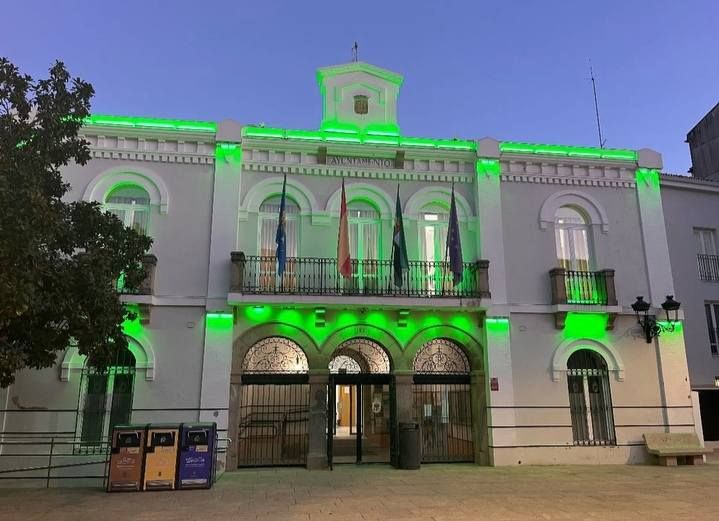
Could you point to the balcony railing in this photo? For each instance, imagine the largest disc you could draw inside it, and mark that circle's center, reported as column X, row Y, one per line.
column 583, row 287
column 149, row 262
column 319, row 276
column 708, row 267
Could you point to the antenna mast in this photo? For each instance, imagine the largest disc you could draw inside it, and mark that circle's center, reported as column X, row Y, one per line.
column 602, row 141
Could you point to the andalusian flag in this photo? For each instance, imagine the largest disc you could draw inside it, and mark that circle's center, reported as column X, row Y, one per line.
column 400, row 261
column 281, row 236
column 344, row 264
column 454, row 243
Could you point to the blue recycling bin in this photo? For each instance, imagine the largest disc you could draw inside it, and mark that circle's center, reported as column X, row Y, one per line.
column 196, row 466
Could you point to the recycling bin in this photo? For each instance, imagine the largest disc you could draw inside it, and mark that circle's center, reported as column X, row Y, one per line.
column 160, row 457
column 126, row 458
column 410, row 445
column 197, row 455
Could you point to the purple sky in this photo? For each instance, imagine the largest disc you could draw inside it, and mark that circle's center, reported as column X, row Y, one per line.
column 510, row 70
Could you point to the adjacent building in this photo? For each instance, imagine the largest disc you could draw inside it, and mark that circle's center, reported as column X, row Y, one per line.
column 534, row 356
column 703, row 142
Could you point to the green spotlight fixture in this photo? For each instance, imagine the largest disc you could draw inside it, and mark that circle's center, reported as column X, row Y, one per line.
column 649, row 323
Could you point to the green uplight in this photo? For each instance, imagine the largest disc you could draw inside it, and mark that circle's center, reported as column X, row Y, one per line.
column 497, row 324
column 586, row 325
column 617, row 154
column 348, row 133
column 150, row 123
column 218, row 321
column 132, row 327
column 678, row 326
column 231, row 152
column 488, row 167
column 650, row 176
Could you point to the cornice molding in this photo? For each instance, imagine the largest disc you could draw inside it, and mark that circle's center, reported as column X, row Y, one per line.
column 152, row 147
column 363, row 173
column 577, row 173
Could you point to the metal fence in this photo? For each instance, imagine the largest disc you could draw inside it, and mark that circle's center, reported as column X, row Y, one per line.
column 319, row 276
column 586, row 287
column 708, row 267
column 59, row 457
column 444, row 414
column 273, row 424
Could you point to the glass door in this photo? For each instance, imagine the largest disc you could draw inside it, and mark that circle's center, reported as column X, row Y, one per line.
column 359, row 426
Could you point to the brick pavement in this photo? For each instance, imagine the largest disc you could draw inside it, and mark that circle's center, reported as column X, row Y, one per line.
column 366, row 493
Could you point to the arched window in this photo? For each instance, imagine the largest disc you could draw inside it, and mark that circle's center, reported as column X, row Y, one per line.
column 131, row 204
column 359, row 355
column 571, row 231
column 106, row 399
column 590, row 400
column 365, row 243
column 572, row 235
column 275, row 355
column 268, row 220
column 433, row 225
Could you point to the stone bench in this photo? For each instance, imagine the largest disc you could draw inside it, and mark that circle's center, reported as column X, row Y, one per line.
column 676, row 447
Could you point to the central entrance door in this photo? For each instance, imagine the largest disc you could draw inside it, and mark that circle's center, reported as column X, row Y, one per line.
column 360, row 418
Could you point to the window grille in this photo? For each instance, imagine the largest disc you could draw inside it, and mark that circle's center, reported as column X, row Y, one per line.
column 590, row 400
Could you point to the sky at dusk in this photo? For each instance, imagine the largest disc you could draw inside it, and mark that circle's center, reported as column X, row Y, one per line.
column 512, row 70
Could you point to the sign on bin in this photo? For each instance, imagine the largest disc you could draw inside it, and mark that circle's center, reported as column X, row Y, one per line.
column 160, row 458
column 197, row 455
column 125, row 472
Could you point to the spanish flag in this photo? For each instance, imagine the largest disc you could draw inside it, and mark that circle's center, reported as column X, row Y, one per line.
column 344, row 264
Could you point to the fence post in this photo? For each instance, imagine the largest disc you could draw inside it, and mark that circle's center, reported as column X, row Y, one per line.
column 609, row 285
column 49, row 462
column 558, row 284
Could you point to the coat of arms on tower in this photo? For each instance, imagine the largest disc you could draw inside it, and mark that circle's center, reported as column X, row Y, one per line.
column 361, row 104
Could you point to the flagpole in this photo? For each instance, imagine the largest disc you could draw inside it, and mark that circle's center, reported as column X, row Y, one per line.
column 394, row 247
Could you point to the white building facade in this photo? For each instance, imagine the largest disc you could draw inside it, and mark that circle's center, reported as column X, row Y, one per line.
column 535, row 357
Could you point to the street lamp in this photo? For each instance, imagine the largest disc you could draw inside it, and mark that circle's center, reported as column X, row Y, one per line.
column 649, row 323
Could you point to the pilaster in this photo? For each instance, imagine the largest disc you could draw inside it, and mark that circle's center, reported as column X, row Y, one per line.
column 490, row 240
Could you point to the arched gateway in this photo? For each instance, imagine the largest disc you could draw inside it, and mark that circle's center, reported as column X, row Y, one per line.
column 442, row 402
column 273, row 416
column 360, row 413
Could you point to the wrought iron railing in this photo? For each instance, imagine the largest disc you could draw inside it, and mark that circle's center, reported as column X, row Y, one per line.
column 708, row 267
column 319, row 276
column 147, row 287
column 583, row 287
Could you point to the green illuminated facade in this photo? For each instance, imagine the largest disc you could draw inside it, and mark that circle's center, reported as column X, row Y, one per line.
column 557, row 242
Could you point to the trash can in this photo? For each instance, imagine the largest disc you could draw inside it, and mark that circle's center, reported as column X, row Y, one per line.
column 197, row 455
column 126, row 457
column 160, row 457
column 410, row 448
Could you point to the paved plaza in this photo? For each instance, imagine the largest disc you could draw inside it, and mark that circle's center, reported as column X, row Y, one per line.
column 434, row 493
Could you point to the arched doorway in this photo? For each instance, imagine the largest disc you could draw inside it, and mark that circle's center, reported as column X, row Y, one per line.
column 273, row 416
column 360, row 405
column 442, row 402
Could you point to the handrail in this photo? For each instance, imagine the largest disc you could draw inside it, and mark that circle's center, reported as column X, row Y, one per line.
column 254, row 274
column 53, row 442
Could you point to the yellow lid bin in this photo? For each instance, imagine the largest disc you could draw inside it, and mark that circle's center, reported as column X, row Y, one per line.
column 160, row 457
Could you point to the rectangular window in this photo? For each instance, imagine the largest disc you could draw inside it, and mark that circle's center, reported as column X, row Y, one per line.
column 712, row 313
column 707, row 258
column 705, row 239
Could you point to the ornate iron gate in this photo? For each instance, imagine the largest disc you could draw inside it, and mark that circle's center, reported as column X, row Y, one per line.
column 273, row 420
column 442, row 407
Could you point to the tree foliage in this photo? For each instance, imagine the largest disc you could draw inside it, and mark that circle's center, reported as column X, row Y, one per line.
column 59, row 260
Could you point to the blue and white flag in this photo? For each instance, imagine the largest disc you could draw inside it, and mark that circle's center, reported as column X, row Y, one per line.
column 281, row 237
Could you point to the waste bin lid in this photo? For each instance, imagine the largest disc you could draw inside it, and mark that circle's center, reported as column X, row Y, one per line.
column 409, row 426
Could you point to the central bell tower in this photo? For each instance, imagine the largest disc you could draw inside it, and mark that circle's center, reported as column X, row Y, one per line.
column 359, row 97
